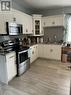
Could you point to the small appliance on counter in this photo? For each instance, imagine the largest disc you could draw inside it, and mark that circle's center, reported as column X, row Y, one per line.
column 41, row 40
column 68, row 45
column 25, row 41
column 29, row 41
column 38, row 40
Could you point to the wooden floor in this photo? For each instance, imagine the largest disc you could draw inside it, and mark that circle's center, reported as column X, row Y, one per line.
column 45, row 77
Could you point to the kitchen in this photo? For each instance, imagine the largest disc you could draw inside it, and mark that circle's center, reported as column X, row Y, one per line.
column 32, row 42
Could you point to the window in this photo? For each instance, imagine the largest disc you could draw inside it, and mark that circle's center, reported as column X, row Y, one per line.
column 69, row 30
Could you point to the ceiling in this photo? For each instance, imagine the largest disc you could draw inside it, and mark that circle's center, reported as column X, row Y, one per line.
column 42, row 4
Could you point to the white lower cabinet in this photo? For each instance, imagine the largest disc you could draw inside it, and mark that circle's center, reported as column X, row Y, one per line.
column 41, row 50
column 25, row 20
column 45, row 51
column 34, row 53
column 7, row 67
column 52, row 52
column 11, row 65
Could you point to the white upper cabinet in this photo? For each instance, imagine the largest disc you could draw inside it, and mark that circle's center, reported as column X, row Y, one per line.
column 5, row 17
column 2, row 28
column 25, row 20
column 28, row 24
column 37, row 28
column 21, row 18
column 57, row 20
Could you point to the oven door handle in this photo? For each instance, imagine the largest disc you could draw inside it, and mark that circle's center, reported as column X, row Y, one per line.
column 23, row 51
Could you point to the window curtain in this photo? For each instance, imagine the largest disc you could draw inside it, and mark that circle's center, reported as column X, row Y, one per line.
column 69, row 30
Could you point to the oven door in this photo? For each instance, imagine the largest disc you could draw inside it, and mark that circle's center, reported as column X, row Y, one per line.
column 22, row 56
column 24, row 67
column 23, row 62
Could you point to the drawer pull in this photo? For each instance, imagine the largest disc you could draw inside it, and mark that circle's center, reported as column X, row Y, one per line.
column 33, row 52
column 12, row 57
column 53, row 22
column 51, row 50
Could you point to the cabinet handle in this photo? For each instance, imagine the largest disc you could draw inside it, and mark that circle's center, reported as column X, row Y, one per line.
column 53, row 22
column 26, row 30
column 44, row 23
column 32, row 52
column 11, row 56
column 51, row 50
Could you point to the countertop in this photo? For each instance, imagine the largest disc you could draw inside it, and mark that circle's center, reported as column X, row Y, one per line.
column 4, row 53
column 45, row 44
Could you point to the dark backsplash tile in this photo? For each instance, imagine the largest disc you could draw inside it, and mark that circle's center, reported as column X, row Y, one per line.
column 53, row 34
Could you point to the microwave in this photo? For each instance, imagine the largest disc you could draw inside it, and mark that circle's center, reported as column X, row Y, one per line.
column 14, row 28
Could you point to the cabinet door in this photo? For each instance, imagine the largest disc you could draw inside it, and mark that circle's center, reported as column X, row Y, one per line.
column 47, row 49
column 11, row 65
column 25, row 20
column 41, row 50
column 52, row 52
column 37, row 27
column 42, row 26
column 51, row 21
column 5, row 17
column 2, row 29
column 47, row 21
column 32, row 58
column 60, row 20
column 56, row 53
column 34, row 48
column 2, row 24
column 57, row 20
column 37, row 51
column 18, row 15
column 20, row 18
column 34, row 53
column 8, row 17
column 28, row 24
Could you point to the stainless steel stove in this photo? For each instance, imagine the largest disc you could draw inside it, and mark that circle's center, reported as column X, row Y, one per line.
column 23, row 60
